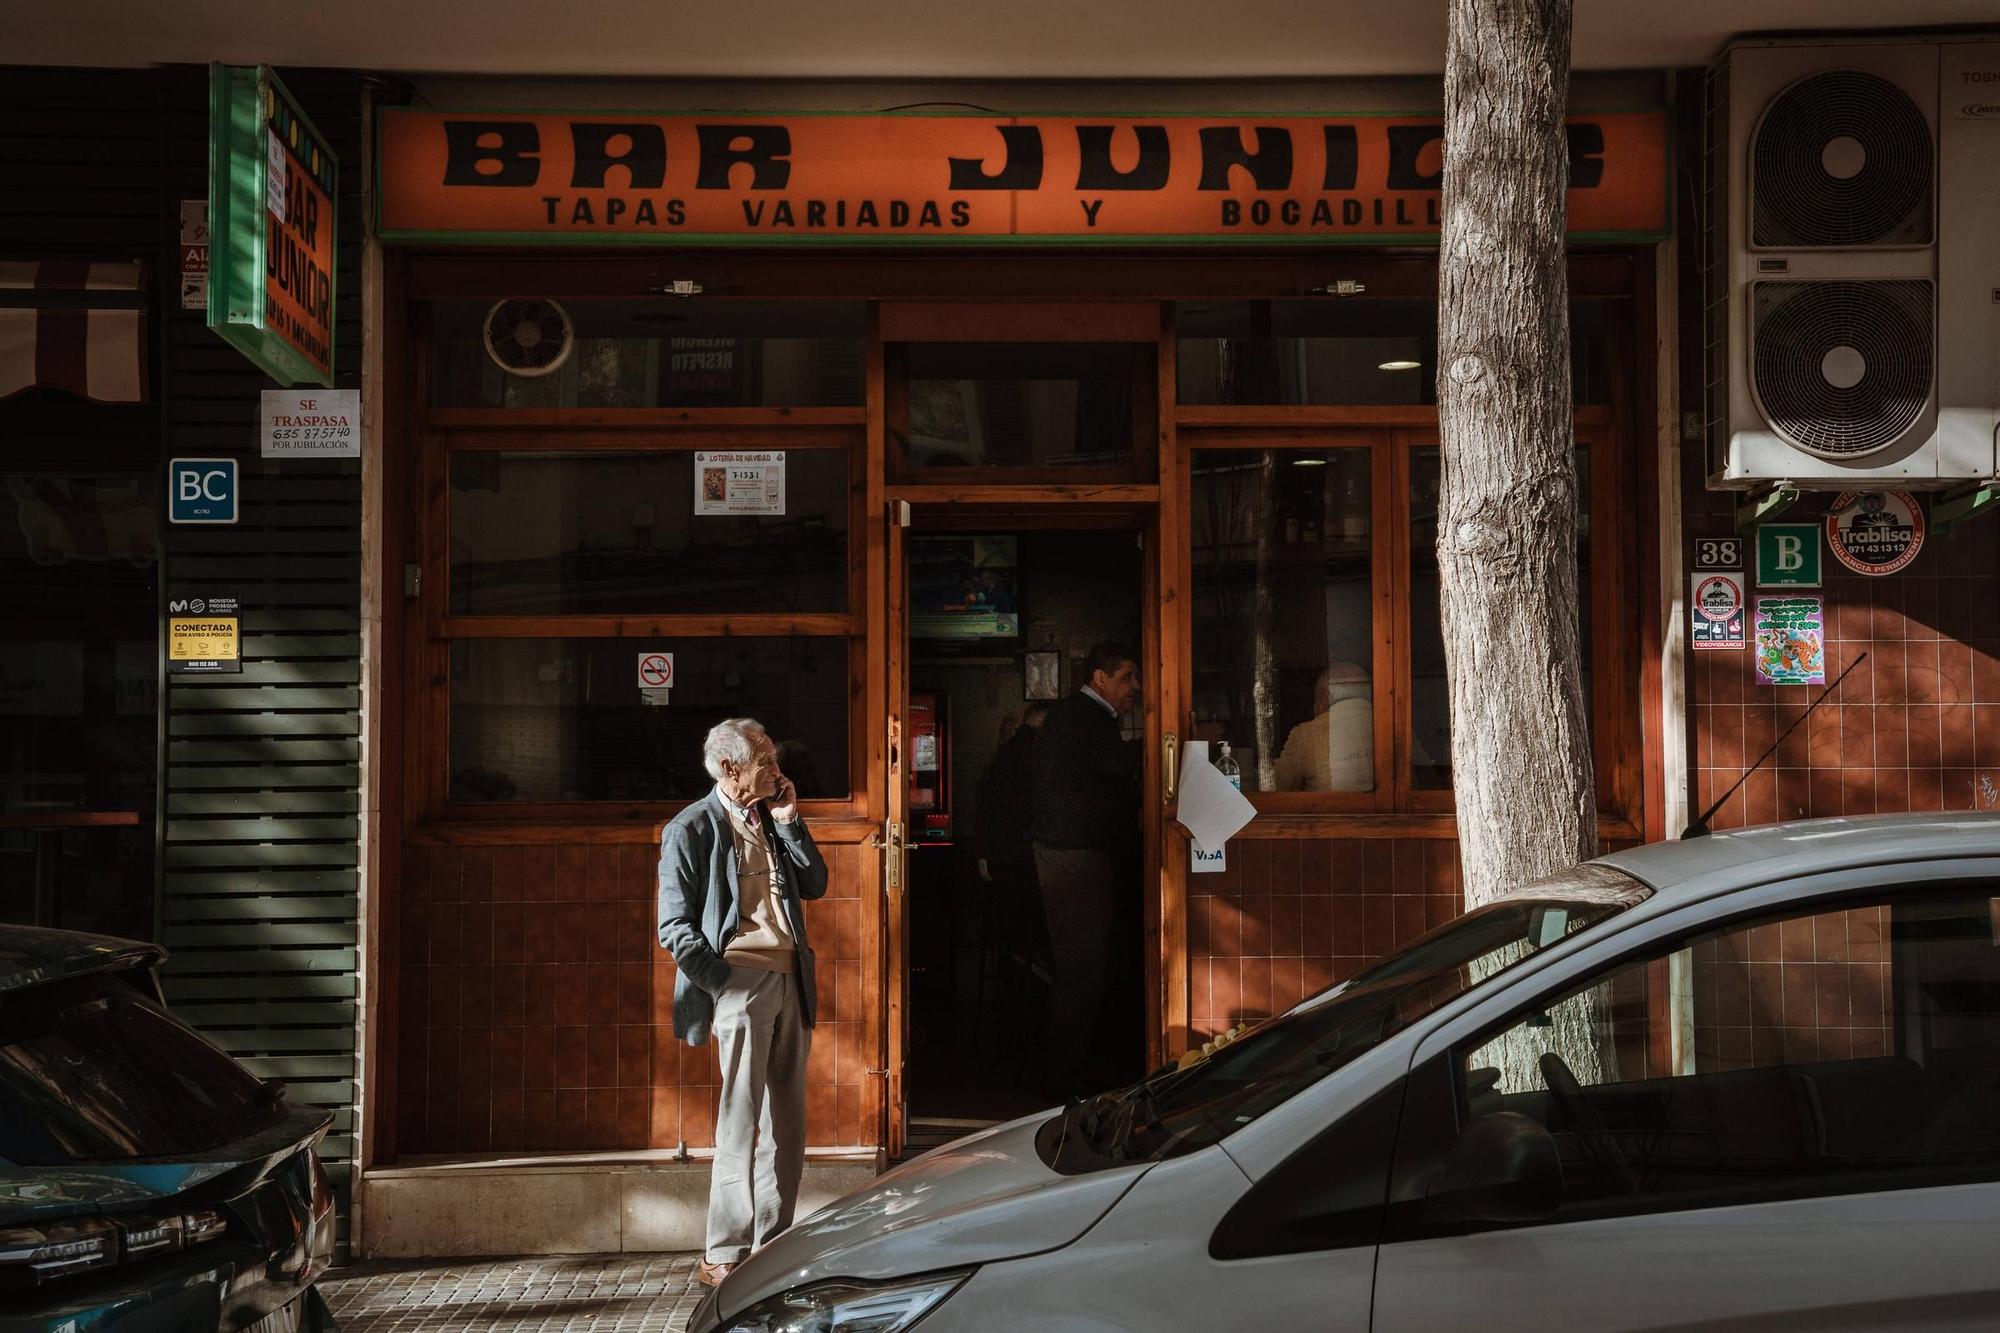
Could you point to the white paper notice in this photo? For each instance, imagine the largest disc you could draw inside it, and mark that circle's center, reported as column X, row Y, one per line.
column 739, row 483
column 1211, row 809
column 312, row 423
column 274, row 176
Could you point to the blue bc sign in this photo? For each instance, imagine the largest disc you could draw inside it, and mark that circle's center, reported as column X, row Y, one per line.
column 201, row 490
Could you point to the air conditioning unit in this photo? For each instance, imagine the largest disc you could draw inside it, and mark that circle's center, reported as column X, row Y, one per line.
column 1852, row 255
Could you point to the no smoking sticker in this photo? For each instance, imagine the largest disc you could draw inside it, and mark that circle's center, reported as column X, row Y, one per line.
column 656, row 671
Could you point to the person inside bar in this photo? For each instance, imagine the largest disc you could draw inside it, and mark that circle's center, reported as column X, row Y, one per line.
column 1334, row 749
column 1086, row 819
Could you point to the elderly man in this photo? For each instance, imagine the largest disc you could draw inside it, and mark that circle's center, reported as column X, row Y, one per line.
column 734, row 869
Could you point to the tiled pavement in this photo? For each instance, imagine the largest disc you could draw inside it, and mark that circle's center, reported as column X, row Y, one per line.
column 613, row 1293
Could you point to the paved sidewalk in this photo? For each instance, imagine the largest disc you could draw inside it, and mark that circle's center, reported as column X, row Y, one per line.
column 614, row 1293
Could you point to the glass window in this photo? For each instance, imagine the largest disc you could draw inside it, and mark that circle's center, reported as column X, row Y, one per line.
column 1430, row 694
column 1284, row 637
column 1828, row 1050
column 1022, row 404
column 79, row 695
column 565, row 720
column 1342, row 351
column 92, row 1070
column 580, row 533
column 666, row 352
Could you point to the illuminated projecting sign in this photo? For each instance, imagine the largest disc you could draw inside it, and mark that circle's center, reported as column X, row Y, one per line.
column 271, row 186
column 611, row 178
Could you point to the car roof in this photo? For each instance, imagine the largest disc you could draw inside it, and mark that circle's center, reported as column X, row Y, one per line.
column 30, row 955
column 1717, row 862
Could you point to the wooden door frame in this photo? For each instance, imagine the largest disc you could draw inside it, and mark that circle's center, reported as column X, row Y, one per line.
column 1164, row 929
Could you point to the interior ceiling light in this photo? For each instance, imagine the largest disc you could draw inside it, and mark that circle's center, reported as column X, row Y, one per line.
column 1400, row 365
column 1308, row 461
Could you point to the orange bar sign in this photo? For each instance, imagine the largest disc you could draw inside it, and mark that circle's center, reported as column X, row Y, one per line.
column 610, row 178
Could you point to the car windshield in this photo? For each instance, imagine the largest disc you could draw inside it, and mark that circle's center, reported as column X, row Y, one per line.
column 93, row 1070
column 1180, row 1110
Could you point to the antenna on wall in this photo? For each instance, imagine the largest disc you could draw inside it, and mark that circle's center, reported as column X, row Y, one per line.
column 1700, row 829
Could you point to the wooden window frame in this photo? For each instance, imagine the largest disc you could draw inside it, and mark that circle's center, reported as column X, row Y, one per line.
column 445, row 431
column 1393, row 434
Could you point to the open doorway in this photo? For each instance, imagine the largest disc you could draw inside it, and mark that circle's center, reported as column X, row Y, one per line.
column 1000, row 623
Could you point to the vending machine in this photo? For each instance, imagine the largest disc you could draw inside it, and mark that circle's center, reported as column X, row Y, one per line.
column 930, row 768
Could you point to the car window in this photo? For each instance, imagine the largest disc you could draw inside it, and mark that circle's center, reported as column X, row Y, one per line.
column 1826, row 1050
column 1181, row 1110
column 92, row 1070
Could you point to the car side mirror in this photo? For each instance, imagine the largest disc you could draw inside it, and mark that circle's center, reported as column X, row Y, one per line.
column 1503, row 1168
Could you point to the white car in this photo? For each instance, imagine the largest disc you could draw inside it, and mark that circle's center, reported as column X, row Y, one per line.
column 1750, row 1080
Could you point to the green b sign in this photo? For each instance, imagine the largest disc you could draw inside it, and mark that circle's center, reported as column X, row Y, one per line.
column 1788, row 555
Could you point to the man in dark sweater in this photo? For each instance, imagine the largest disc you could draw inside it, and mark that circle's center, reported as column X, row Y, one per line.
column 1086, row 841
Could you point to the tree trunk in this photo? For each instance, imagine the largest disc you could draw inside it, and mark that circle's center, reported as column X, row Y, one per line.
column 1520, row 739
column 1520, row 736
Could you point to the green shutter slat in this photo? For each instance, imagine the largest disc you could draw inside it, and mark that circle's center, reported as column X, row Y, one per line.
column 298, row 1068
column 183, row 883
column 220, row 1017
column 241, row 1042
column 197, row 958
column 293, row 619
column 197, row 856
column 275, row 829
column 260, row 697
column 287, row 539
column 279, row 675
column 264, row 724
column 301, row 645
column 259, row 908
column 182, row 988
column 265, row 803
column 259, row 935
column 189, row 567
column 271, row 777
column 262, row 749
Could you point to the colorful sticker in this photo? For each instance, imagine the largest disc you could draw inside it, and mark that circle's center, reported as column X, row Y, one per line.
column 1791, row 641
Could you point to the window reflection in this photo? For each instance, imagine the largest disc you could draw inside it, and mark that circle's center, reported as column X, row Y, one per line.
column 1020, row 404
column 1283, row 620
column 616, row 532
column 565, row 719
column 664, row 353
column 1331, row 351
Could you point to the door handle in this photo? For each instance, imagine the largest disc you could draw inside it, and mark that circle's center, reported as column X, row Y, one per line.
column 890, row 840
column 1170, row 768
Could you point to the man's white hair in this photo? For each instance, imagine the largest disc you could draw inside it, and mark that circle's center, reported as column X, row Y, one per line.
column 733, row 740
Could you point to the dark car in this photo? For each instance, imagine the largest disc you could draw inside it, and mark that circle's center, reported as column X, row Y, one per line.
column 147, row 1180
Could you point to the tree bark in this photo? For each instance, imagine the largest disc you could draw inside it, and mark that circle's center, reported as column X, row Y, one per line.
column 1520, row 737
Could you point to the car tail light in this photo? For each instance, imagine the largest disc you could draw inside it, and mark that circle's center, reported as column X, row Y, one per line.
column 208, row 1224
column 30, row 1256
column 153, row 1235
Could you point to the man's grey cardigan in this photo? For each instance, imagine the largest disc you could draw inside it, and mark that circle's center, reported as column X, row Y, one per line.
column 698, row 904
